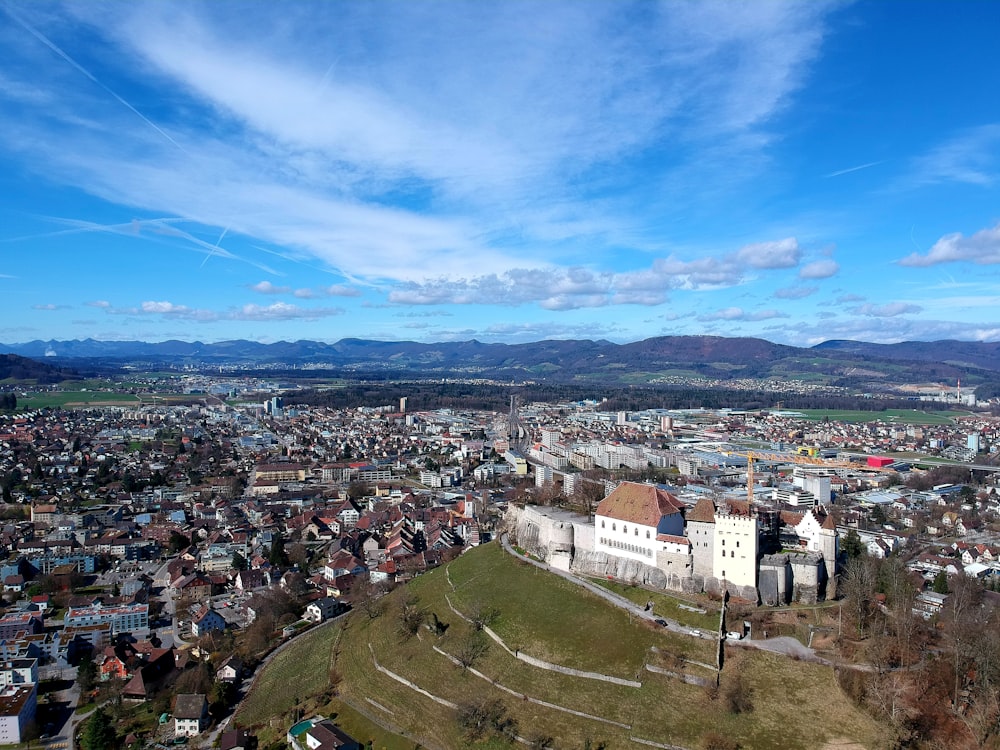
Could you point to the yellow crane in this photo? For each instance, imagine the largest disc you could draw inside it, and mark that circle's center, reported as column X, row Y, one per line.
column 786, row 458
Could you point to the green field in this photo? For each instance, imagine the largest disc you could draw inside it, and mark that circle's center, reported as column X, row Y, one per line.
column 81, row 398
column 895, row 416
column 549, row 618
column 665, row 605
column 300, row 671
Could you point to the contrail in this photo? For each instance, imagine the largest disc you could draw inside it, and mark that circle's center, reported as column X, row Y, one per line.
column 55, row 48
column 217, row 243
column 853, row 169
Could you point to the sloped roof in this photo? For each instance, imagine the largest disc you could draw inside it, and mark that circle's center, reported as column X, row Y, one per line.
column 703, row 511
column 190, row 706
column 643, row 504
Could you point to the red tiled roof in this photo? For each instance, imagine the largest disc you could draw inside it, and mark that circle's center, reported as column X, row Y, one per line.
column 672, row 538
column 703, row 511
column 643, row 504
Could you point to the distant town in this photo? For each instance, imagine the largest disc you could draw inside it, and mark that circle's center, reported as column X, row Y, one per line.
column 157, row 553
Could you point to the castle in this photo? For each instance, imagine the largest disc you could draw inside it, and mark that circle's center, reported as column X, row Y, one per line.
column 642, row 533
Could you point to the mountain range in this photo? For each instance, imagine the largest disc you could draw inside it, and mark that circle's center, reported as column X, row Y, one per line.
column 660, row 359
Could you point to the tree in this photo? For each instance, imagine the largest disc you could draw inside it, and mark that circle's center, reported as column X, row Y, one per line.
column 178, row 542
column 298, row 555
column 277, row 555
column 475, row 646
column 940, row 584
column 240, row 562
column 369, row 598
column 99, row 733
column 86, row 674
column 860, row 586
column 852, row 545
column 484, row 717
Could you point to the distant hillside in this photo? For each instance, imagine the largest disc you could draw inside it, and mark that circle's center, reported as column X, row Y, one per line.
column 14, row 367
column 852, row 364
column 980, row 354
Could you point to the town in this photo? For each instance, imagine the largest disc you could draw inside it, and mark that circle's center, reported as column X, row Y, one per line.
column 156, row 554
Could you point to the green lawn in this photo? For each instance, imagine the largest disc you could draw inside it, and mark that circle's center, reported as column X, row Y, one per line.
column 895, row 416
column 552, row 619
column 300, row 671
column 665, row 605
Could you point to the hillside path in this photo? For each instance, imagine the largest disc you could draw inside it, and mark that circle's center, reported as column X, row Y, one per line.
column 779, row 645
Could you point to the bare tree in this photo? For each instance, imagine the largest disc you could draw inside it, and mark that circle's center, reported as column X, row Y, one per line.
column 859, row 586
column 474, row 647
column 965, row 620
column 369, row 598
column 483, row 615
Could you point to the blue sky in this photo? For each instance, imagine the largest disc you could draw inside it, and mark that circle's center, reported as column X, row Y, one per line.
column 507, row 171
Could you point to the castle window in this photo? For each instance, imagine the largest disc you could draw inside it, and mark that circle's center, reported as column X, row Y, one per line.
column 647, row 533
column 737, row 542
column 723, row 574
column 723, row 542
column 602, row 523
column 613, row 527
column 624, row 529
column 733, row 553
column 637, row 531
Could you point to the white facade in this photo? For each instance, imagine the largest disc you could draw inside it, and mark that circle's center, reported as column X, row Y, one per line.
column 735, row 550
column 623, row 539
column 18, row 704
column 816, row 484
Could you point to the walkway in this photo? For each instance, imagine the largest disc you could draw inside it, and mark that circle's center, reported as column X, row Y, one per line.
column 779, row 645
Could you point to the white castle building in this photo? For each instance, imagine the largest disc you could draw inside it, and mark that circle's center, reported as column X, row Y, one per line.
column 641, row 533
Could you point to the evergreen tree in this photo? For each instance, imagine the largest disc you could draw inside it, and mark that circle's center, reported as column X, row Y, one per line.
column 86, row 674
column 100, row 732
column 940, row 584
column 277, row 556
column 239, row 562
column 852, row 545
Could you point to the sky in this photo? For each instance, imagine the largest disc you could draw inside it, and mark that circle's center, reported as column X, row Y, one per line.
column 505, row 171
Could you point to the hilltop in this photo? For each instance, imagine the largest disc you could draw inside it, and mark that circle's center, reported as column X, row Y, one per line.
column 661, row 359
column 788, row 703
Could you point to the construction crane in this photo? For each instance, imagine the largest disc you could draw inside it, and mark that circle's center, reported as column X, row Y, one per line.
column 785, row 458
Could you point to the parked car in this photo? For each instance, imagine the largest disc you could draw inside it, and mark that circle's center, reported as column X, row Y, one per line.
column 695, row 633
column 735, row 635
column 660, row 621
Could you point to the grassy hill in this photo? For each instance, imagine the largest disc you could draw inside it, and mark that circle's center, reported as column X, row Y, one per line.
column 785, row 703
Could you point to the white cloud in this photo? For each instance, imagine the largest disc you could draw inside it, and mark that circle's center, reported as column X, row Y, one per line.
column 888, row 310
column 982, row 248
column 50, row 306
column 738, row 313
column 795, row 292
column 781, row 254
column 335, row 290
column 266, row 287
column 971, row 157
column 302, row 127
column 248, row 312
column 819, row 269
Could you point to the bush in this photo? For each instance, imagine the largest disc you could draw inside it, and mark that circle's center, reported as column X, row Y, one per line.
column 716, row 741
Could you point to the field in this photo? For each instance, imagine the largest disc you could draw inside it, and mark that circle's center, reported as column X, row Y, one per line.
column 895, row 416
column 300, row 671
column 82, row 398
column 543, row 616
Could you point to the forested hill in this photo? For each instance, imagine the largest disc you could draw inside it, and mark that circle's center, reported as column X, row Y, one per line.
column 14, row 367
column 664, row 359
